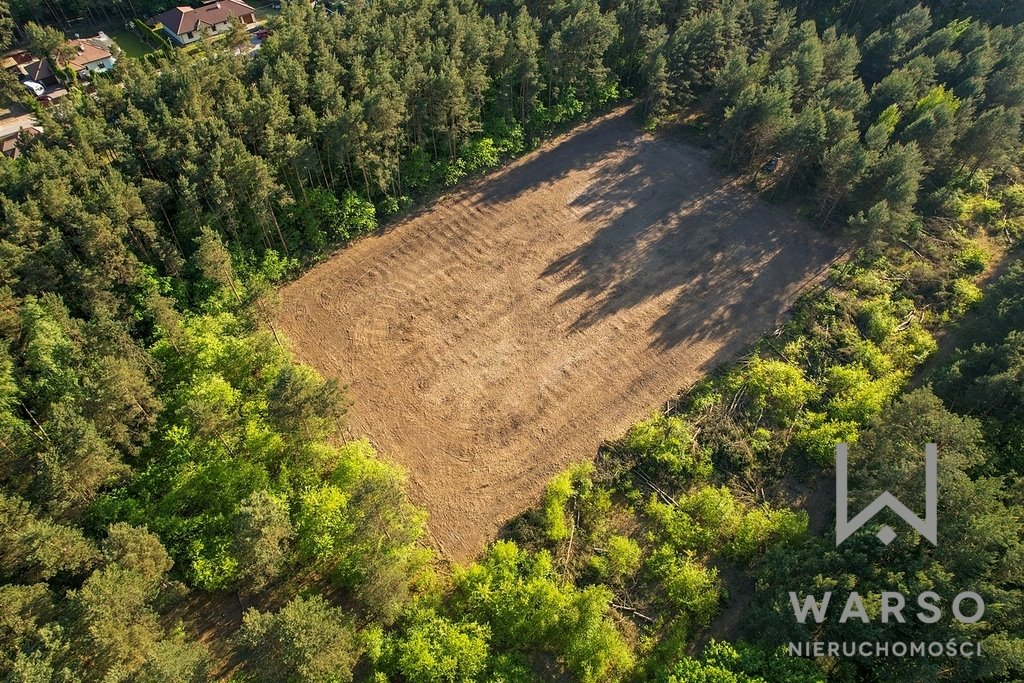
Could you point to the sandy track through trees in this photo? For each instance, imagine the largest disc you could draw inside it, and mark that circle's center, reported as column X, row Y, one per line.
column 510, row 327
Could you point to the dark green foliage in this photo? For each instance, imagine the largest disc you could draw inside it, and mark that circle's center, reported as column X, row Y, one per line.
column 979, row 549
column 985, row 376
column 263, row 532
column 306, row 641
column 153, row 428
column 33, row 548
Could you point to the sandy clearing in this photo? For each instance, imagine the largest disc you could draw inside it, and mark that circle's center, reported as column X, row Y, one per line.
column 509, row 328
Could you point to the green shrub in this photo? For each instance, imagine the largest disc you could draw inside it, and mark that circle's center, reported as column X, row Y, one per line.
column 556, row 497
column 855, row 396
column 688, row 585
column 306, row 640
column 621, row 558
column 703, row 520
column 433, row 649
column 152, row 36
column 664, row 445
column 527, row 604
column 509, row 138
column 876, row 319
column 764, row 527
column 964, row 294
column 976, row 207
column 322, row 525
column 453, row 172
column 478, row 154
column 777, row 388
column 1013, row 199
column 817, row 436
column 358, row 215
column 972, row 259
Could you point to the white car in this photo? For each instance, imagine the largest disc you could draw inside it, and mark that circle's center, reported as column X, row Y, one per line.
column 37, row 89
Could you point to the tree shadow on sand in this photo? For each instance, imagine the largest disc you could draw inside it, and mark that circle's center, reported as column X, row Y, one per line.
column 729, row 260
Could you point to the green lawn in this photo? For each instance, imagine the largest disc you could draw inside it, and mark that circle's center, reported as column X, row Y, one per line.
column 266, row 12
column 129, row 42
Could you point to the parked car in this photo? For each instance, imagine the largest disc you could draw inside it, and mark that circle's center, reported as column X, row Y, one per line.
column 770, row 165
column 263, row 34
column 36, row 89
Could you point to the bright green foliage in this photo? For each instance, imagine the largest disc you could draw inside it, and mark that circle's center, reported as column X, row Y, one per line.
column 664, row 446
column 702, row 520
column 619, row 559
column 777, row 389
column 322, row 524
column 817, row 436
column 853, row 395
column 556, row 495
column 559, row 491
column 322, row 217
column 521, row 598
column 479, row 154
column 435, row 649
column 689, row 587
column 763, row 528
column 741, row 663
column 963, row 296
column 972, row 259
column 709, row 519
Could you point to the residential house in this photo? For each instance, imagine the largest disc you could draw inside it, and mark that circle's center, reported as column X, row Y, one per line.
column 92, row 55
column 9, row 137
column 26, row 67
column 88, row 55
column 184, row 25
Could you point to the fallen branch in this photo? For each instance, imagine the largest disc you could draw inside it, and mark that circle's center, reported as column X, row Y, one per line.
column 572, row 533
column 665, row 497
column 633, row 611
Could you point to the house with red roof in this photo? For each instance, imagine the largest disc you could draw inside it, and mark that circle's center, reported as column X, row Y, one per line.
column 92, row 55
column 86, row 56
column 186, row 25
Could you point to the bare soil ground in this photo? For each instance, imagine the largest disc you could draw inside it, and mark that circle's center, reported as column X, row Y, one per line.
column 510, row 327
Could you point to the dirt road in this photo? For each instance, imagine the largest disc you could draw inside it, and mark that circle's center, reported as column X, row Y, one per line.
column 507, row 329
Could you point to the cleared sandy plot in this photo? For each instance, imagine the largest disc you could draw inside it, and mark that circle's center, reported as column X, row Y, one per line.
column 509, row 328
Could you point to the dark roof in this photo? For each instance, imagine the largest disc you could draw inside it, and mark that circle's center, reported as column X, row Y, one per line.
column 181, row 20
column 38, row 70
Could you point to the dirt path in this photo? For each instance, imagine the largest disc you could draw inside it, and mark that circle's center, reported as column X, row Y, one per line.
column 509, row 328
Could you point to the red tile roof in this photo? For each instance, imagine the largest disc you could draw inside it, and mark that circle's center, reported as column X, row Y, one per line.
column 181, row 20
column 87, row 51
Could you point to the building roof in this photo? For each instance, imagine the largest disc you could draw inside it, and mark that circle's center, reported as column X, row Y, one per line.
column 9, row 143
column 181, row 20
column 89, row 50
column 14, row 60
column 37, row 71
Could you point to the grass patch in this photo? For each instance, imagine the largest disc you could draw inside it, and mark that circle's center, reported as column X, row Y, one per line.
column 266, row 12
column 130, row 43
